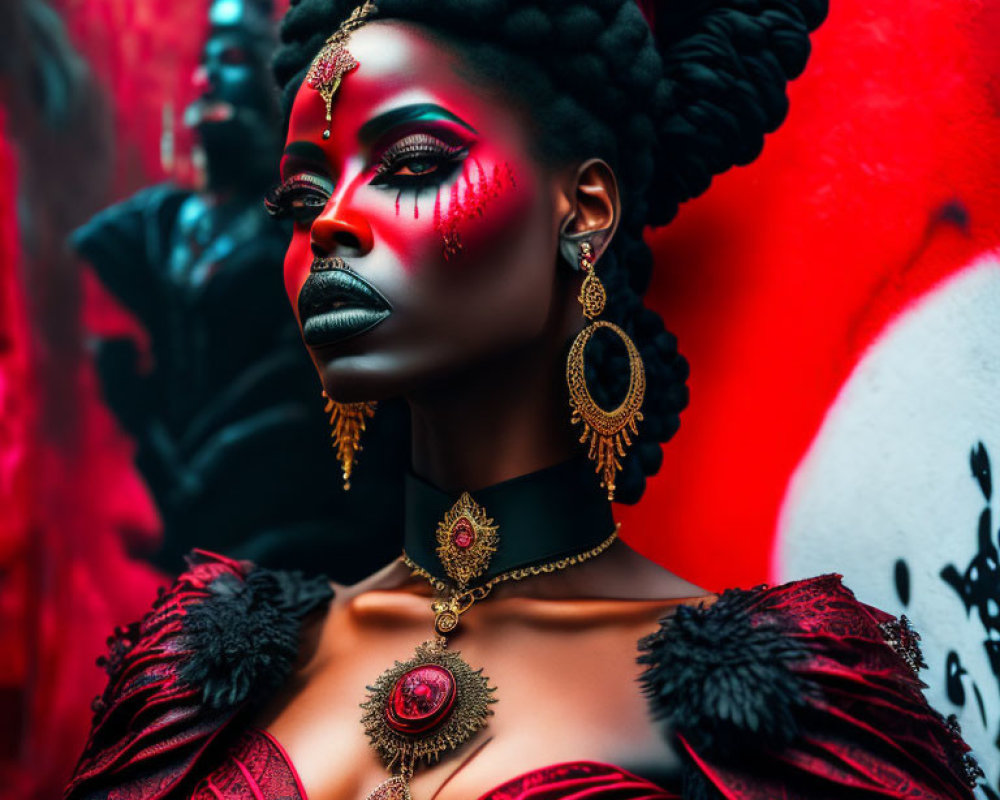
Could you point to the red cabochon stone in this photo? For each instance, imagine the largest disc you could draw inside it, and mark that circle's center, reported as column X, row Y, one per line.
column 421, row 699
column 463, row 535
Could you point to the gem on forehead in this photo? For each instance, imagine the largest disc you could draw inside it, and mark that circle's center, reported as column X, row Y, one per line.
column 329, row 67
column 334, row 61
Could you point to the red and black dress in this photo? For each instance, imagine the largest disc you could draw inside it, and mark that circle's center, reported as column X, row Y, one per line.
column 796, row 691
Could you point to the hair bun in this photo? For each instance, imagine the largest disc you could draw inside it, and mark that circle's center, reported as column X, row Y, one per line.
column 726, row 65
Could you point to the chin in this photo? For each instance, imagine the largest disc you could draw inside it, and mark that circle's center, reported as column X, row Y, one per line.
column 358, row 378
column 382, row 374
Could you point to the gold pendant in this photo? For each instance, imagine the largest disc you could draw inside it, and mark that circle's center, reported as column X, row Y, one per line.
column 424, row 706
column 396, row 788
column 467, row 540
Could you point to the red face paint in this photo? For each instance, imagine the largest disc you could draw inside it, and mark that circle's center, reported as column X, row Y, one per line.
column 472, row 204
column 419, row 167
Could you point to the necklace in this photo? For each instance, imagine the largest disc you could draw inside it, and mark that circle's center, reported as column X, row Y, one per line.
column 435, row 701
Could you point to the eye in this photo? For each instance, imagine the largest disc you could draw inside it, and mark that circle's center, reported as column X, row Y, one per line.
column 416, row 160
column 301, row 197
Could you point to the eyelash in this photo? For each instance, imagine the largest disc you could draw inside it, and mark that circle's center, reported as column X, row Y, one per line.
column 302, row 197
column 414, row 149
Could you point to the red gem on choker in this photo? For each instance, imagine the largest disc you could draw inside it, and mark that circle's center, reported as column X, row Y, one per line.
column 421, row 699
column 463, row 535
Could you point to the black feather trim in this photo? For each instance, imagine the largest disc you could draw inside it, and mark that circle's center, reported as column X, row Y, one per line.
column 718, row 673
column 244, row 638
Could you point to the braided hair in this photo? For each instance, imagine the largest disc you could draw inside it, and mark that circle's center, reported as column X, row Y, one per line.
column 670, row 94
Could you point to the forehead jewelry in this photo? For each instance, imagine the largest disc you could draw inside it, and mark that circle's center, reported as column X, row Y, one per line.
column 334, row 61
column 435, row 701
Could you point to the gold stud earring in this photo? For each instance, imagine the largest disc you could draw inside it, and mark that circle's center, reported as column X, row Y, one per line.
column 606, row 433
column 348, row 421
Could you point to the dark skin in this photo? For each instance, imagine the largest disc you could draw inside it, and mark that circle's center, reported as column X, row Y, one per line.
column 476, row 344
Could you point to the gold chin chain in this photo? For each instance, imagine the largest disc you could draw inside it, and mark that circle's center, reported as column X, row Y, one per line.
column 435, row 701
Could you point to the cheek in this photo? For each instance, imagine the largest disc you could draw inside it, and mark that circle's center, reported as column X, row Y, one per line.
column 453, row 226
column 298, row 259
column 482, row 205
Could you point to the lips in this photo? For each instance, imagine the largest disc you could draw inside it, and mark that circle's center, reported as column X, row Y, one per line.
column 335, row 305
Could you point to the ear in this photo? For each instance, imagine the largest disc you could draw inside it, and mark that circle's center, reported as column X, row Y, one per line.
column 594, row 210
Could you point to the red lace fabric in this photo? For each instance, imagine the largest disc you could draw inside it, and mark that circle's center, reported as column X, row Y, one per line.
column 257, row 768
column 579, row 780
column 866, row 730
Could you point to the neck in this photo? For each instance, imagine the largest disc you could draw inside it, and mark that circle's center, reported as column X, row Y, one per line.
column 502, row 417
column 505, row 418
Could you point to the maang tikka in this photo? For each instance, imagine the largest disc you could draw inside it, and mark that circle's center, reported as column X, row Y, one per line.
column 334, row 61
column 348, row 422
column 606, row 433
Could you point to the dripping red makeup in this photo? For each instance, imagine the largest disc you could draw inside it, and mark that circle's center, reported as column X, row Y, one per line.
column 429, row 189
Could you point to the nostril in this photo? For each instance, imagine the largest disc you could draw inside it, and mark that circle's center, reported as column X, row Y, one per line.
column 347, row 239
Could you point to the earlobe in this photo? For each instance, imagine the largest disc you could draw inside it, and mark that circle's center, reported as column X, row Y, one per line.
column 595, row 211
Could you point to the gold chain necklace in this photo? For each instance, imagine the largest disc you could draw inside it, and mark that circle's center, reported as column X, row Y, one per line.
column 436, row 701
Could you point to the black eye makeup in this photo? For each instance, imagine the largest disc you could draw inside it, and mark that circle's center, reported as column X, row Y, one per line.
column 301, row 197
column 418, row 160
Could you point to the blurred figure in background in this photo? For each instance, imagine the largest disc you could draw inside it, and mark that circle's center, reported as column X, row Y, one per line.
column 225, row 407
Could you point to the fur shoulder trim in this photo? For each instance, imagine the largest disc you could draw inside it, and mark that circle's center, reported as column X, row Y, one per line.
column 798, row 689
column 224, row 635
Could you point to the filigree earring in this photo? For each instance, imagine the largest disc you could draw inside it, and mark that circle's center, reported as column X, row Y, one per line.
column 348, row 421
column 606, row 433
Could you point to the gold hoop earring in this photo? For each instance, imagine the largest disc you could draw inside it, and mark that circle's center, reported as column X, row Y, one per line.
column 606, row 433
column 348, row 421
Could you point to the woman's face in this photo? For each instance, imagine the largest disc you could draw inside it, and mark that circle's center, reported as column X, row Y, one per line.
column 427, row 189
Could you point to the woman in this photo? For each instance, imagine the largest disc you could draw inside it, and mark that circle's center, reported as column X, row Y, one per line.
column 464, row 175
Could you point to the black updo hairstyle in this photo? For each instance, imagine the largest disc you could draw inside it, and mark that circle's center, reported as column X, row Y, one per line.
column 667, row 112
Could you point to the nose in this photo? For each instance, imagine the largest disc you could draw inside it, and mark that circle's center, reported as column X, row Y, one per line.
column 200, row 80
column 342, row 232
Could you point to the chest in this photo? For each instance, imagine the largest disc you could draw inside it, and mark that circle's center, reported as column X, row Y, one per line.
column 566, row 689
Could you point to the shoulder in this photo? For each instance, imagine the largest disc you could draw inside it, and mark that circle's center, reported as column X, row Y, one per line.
column 149, row 213
column 222, row 638
column 800, row 691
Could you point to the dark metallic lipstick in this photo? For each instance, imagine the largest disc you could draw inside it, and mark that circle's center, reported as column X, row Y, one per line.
column 336, row 304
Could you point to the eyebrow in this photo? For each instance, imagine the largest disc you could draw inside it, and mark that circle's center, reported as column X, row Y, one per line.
column 377, row 126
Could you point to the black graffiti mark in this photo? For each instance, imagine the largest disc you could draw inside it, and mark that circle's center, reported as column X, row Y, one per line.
column 979, row 702
column 978, row 588
column 980, row 462
column 953, row 672
column 988, row 792
column 902, row 580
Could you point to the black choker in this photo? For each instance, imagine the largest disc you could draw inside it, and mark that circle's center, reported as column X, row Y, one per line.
column 541, row 517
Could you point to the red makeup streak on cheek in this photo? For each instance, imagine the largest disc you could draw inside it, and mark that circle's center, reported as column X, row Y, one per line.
column 471, row 204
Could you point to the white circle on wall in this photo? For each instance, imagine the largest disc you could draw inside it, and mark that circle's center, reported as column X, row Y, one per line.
column 886, row 494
